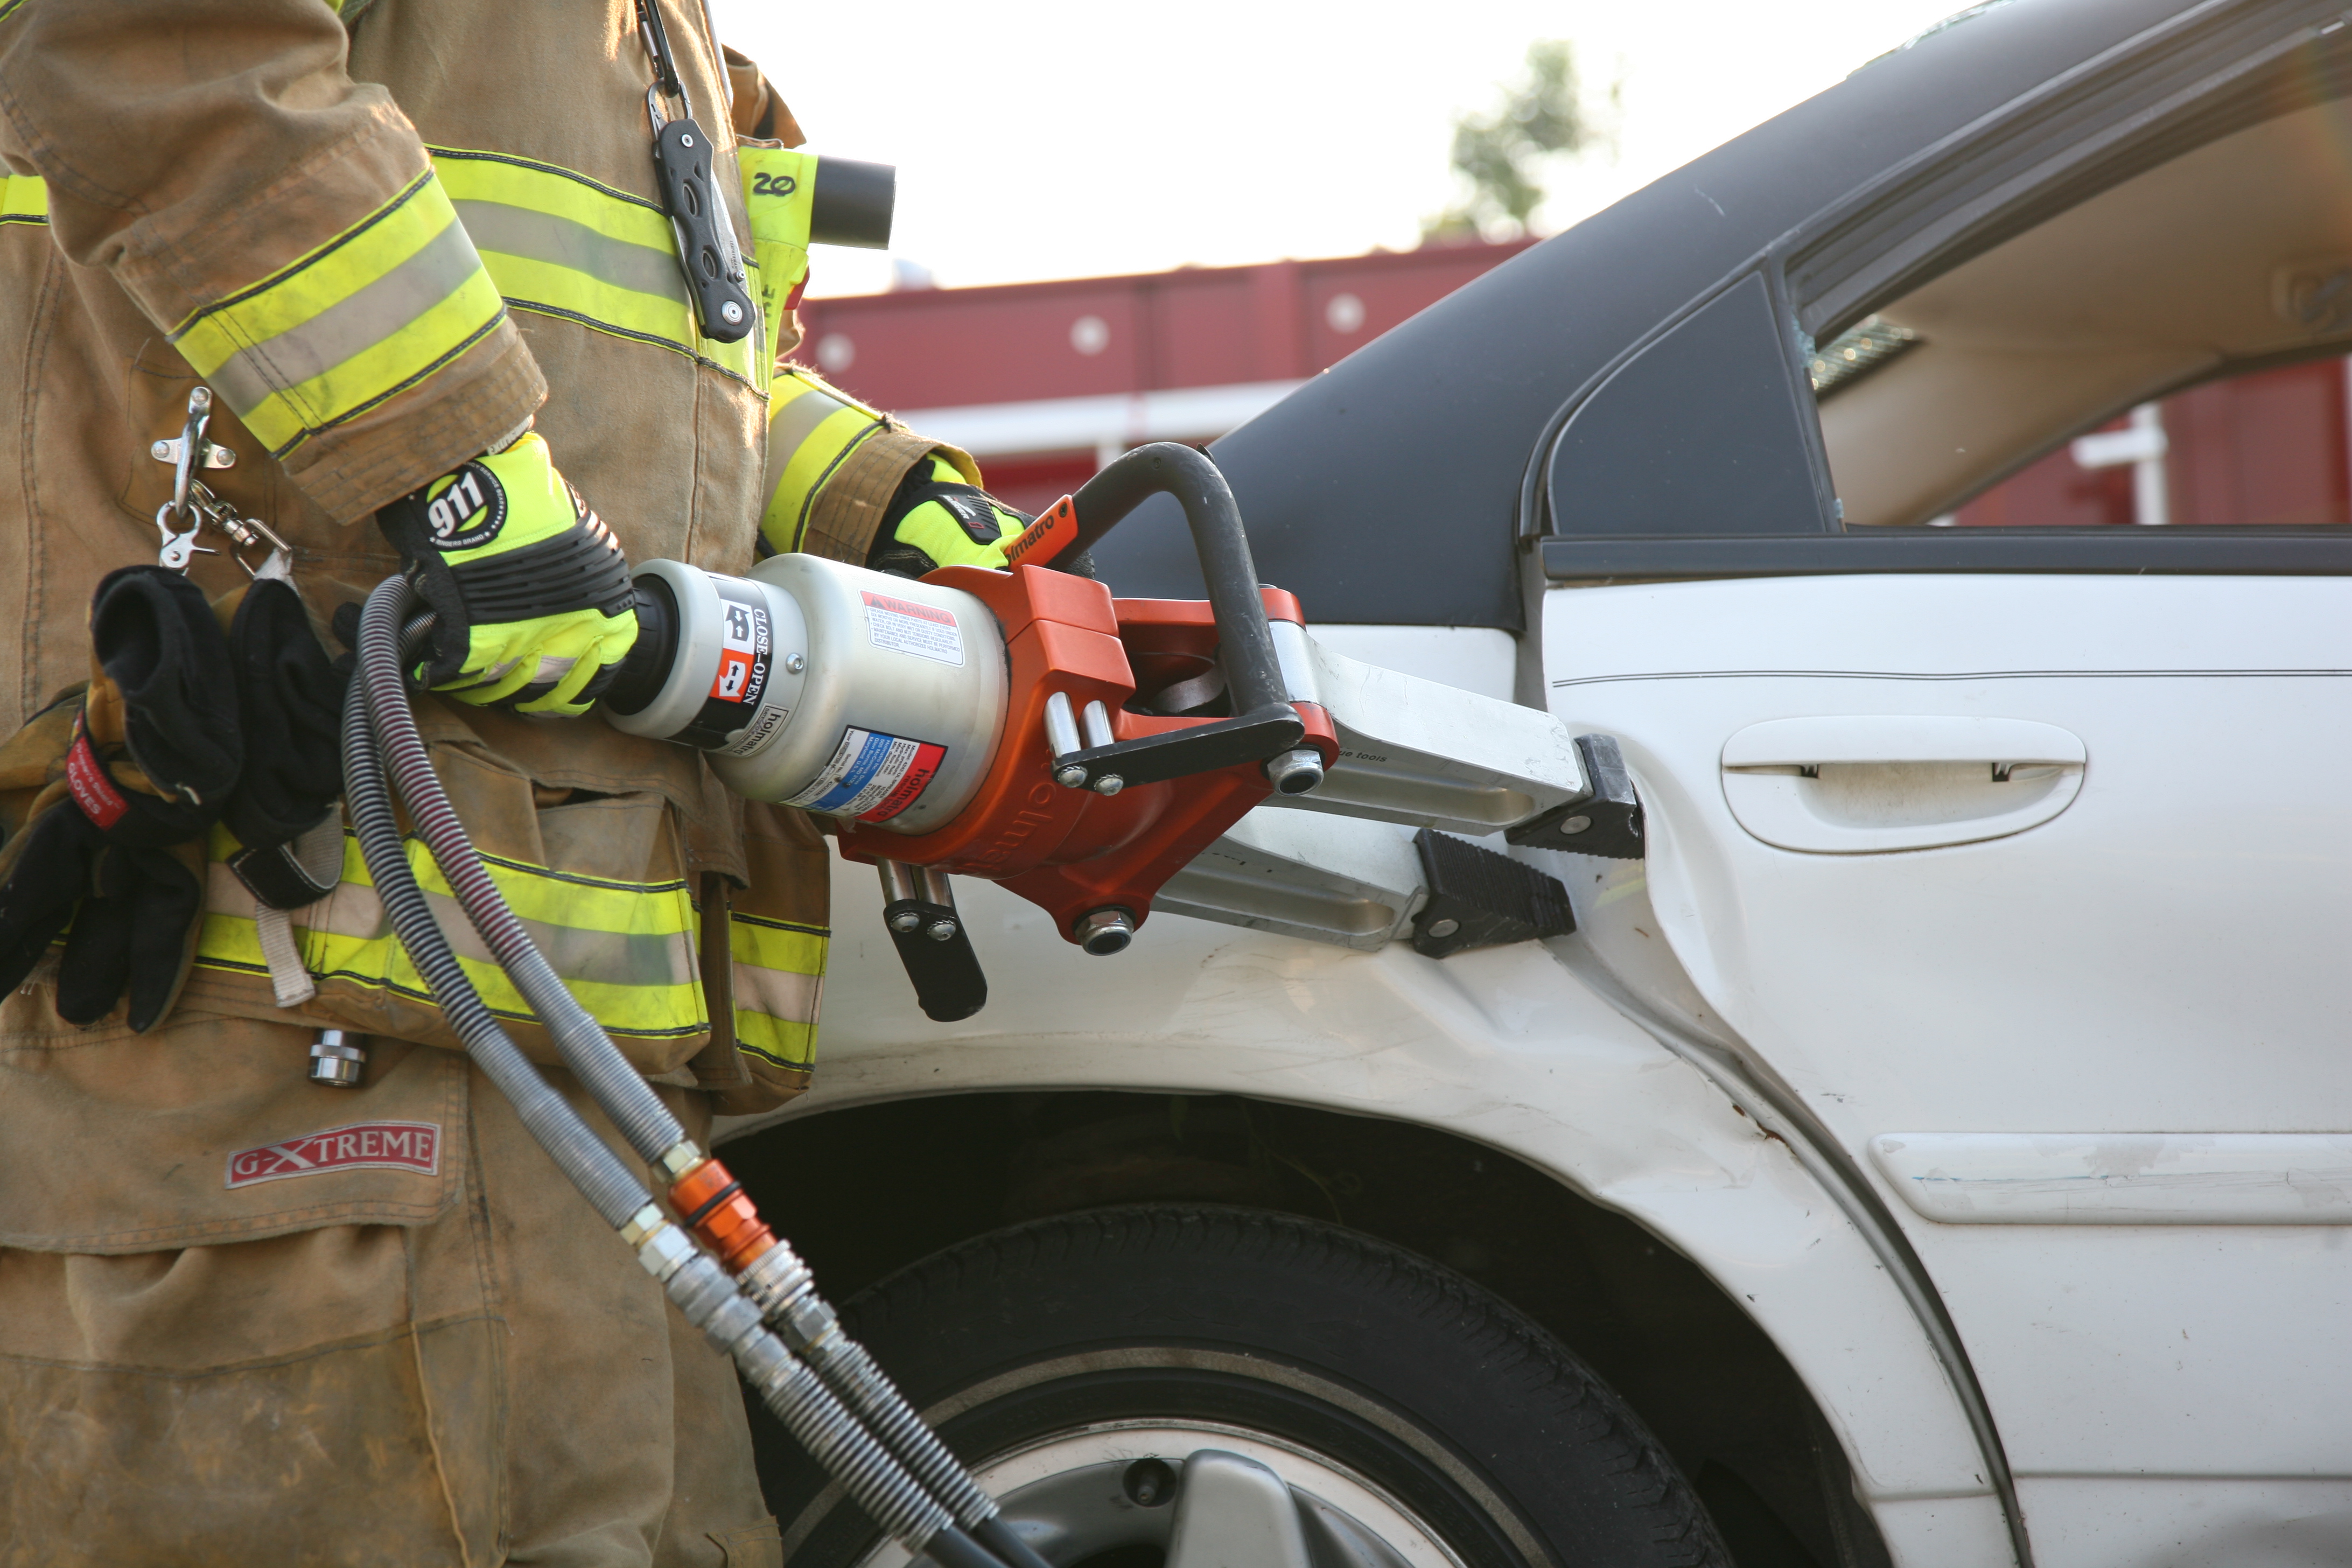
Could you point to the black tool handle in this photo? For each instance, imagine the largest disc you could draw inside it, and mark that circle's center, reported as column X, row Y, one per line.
column 1245, row 644
column 946, row 973
column 706, row 240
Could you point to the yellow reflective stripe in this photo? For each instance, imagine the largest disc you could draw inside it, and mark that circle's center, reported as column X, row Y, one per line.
column 625, row 948
column 812, row 427
column 779, row 977
column 24, row 198
column 559, row 244
column 780, row 194
column 8, row 5
column 785, row 1044
column 373, row 312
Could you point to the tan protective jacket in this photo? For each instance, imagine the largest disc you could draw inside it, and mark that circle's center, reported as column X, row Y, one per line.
column 191, row 147
column 244, row 1318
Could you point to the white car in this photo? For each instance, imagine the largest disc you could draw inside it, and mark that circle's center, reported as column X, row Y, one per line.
column 1936, row 1148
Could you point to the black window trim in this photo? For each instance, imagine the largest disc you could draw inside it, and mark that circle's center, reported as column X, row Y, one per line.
column 2117, row 551
column 2182, row 84
column 2112, row 117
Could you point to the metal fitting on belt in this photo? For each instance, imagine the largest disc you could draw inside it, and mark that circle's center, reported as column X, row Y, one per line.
column 337, row 1061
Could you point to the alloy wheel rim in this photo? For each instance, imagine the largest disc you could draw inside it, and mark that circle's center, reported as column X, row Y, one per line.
column 1112, row 1485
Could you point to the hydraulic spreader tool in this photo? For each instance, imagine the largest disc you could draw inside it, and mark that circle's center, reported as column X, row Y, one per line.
column 1021, row 726
column 1026, row 727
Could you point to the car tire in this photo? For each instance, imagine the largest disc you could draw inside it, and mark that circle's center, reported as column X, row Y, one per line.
column 1356, row 1370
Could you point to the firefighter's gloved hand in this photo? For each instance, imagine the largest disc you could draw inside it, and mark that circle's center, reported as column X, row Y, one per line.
column 936, row 519
column 107, row 796
column 531, row 589
column 289, row 697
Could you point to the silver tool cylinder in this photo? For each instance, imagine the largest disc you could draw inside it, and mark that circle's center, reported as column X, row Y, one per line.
column 830, row 688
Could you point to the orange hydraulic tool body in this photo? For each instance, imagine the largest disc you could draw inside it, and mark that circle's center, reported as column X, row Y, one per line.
column 1075, row 850
column 1020, row 725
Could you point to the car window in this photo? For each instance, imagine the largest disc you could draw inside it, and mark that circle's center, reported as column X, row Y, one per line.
column 2265, row 449
column 2168, row 351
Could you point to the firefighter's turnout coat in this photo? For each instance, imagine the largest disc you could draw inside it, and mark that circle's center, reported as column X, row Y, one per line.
column 242, row 1316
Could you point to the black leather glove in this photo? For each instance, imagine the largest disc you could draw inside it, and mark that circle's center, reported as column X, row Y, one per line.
column 290, row 699
column 108, row 796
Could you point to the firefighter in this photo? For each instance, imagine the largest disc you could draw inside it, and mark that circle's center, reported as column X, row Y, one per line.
column 408, row 262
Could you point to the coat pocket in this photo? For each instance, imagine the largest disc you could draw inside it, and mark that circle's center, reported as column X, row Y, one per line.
column 208, row 1130
column 598, row 881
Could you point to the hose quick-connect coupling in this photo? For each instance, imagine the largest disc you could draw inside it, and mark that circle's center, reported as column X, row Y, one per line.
column 711, row 1203
column 781, row 1283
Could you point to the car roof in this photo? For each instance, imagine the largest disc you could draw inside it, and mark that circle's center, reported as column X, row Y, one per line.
column 1387, row 489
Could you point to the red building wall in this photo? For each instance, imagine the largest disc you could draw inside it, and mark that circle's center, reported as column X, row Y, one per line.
column 1205, row 326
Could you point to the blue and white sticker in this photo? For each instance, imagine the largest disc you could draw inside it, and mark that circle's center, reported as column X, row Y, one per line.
column 872, row 776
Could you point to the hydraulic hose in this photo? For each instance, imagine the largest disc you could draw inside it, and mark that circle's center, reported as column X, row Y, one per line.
column 644, row 1121
column 593, row 1168
column 789, row 1299
column 868, row 1472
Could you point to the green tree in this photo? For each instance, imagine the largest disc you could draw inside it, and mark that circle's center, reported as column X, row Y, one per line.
column 1500, row 155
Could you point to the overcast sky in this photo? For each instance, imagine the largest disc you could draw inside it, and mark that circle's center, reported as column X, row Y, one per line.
column 1052, row 139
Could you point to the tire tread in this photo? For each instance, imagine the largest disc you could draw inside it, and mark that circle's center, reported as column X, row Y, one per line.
column 1646, row 1483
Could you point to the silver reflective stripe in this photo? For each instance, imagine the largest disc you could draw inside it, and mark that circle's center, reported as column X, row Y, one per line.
column 351, row 325
column 560, row 242
column 797, row 420
column 778, row 992
column 611, row 958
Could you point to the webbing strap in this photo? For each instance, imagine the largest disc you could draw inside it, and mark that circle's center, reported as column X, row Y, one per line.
column 561, row 244
column 779, row 197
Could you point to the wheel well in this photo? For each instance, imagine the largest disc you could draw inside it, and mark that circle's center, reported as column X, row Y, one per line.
column 861, row 1193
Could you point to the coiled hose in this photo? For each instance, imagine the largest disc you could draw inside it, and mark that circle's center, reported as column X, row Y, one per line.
column 380, row 721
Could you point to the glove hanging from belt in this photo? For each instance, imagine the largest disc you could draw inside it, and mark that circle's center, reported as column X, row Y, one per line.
column 936, row 519
column 108, row 796
column 290, row 698
column 531, row 590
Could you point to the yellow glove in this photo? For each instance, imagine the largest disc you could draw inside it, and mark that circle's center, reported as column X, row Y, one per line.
column 533, row 590
column 935, row 519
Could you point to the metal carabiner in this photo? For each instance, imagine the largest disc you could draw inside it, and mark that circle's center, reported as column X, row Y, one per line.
column 666, row 82
column 183, row 518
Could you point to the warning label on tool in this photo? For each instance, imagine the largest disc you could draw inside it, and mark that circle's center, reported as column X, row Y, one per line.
column 872, row 777
column 903, row 626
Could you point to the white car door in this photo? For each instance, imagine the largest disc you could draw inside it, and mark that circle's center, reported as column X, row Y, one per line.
column 2022, row 858
column 2084, row 1025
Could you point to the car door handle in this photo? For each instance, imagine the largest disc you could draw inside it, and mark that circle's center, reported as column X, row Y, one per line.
column 1873, row 783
